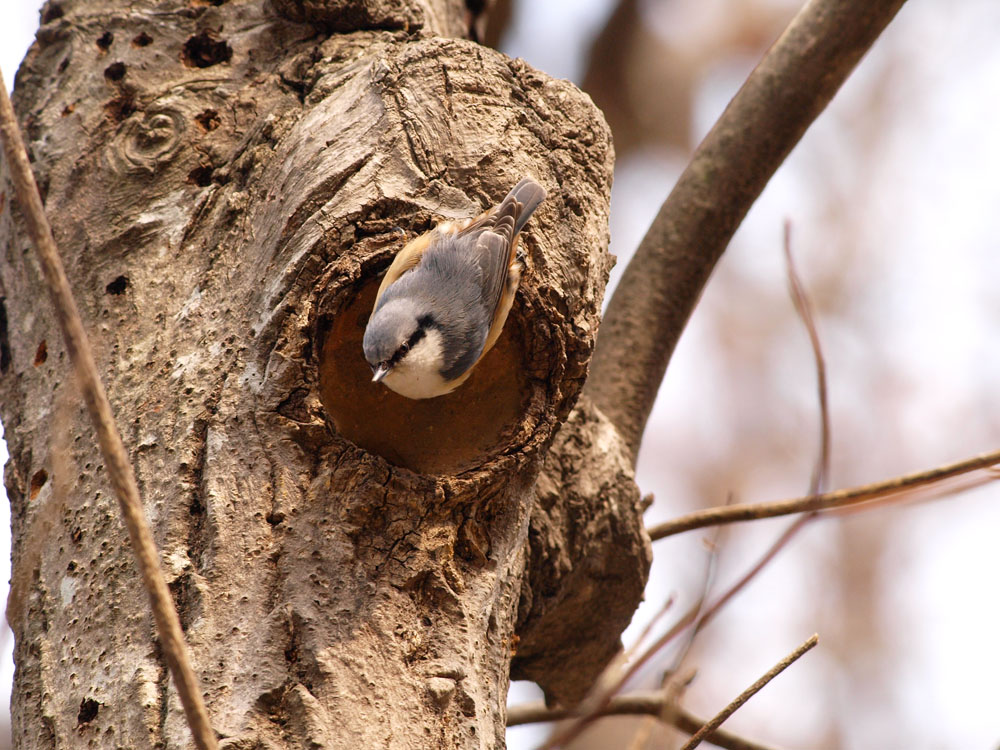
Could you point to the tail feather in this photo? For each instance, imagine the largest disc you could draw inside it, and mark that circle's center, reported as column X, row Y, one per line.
column 530, row 195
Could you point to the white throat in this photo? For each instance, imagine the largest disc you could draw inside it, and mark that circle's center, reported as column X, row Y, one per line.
column 417, row 375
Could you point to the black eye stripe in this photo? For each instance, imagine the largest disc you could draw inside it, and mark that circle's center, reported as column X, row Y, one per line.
column 417, row 335
column 407, row 345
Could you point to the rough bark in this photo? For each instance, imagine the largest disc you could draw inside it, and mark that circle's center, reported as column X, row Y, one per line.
column 226, row 182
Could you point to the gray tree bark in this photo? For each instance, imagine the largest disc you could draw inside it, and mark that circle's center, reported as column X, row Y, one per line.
column 226, row 182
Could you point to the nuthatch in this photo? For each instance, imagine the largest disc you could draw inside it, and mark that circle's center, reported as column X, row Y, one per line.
column 446, row 296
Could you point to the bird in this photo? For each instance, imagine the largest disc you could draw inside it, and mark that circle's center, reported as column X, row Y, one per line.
column 446, row 296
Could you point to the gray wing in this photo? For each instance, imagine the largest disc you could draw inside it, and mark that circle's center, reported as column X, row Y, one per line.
column 495, row 236
column 494, row 253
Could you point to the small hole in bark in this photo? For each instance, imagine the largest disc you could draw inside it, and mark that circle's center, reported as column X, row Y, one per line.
column 274, row 518
column 51, row 12
column 38, row 480
column 41, row 353
column 71, row 566
column 444, row 435
column 208, row 120
column 115, row 71
column 105, row 39
column 68, row 110
column 142, row 40
column 118, row 286
column 88, row 711
column 200, row 176
column 63, row 64
column 203, row 51
column 119, row 108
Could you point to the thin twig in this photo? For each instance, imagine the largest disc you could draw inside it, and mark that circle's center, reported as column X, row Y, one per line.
column 639, row 703
column 786, row 92
column 837, row 499
column 935, row 492
column 803, row 307
column 714, row 723
column 116, row 459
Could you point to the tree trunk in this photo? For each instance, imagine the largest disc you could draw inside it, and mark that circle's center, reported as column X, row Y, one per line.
column 226, row 182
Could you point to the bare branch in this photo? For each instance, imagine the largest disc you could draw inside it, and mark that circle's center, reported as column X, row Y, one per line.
column 836, row 499
column 787, row 91
column 640, row 703
column 116, row 459
column 747, row 694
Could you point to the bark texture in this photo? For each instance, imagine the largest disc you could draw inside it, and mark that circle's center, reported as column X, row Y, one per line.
column 226, row 182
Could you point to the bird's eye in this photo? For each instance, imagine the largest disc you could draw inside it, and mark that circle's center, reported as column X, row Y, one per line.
column 405, row 346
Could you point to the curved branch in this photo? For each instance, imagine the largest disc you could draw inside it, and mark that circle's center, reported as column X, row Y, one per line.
column 770, row 113
column 639, row 703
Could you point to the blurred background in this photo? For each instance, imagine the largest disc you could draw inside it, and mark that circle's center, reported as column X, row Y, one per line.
column 894, row 203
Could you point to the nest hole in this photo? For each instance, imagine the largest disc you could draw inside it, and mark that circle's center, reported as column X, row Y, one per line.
column 445, row 435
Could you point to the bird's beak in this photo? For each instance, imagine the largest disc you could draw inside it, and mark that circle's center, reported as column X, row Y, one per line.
column 380, row 372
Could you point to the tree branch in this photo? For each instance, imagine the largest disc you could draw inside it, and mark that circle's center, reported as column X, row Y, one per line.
column 828, row 500
column 787, row 91
column 642, row 703
column 116, row 459
column 749, row 693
